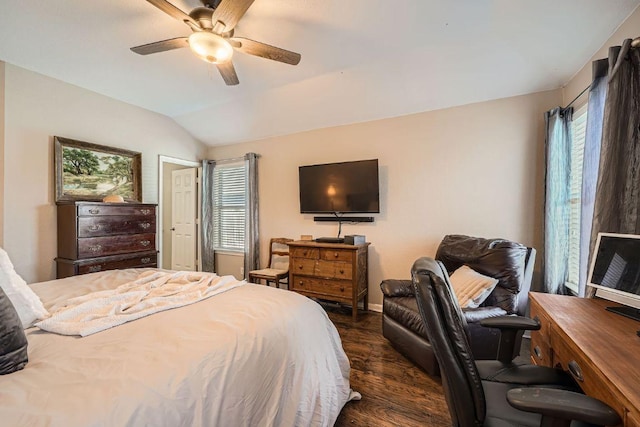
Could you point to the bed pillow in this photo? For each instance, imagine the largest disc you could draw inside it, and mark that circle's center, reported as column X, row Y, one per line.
column 25, row 301
column 471, row 288
column 13, row 342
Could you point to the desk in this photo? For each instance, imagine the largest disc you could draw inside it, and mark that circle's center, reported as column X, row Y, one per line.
column 583, row 338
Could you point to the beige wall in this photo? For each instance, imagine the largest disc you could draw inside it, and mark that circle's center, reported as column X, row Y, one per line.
column 229, row 264
column 2, row 67
column 37, row 108
column 475, row 169
column 629, row 29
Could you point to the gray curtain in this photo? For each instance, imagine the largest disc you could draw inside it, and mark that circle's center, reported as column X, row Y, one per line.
column 557, row 185
column 595, row 114
column 617, row 199
column 206, row 236
column 251, row 235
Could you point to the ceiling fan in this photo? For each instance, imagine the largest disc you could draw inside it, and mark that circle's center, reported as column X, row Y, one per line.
column 212, row 39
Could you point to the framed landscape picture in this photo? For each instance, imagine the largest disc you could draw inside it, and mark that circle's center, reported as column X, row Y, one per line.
column 86, row 171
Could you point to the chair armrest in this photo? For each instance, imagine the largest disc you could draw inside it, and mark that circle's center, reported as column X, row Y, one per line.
column 510, row 327
column 557, row 404
column 511, row 322
column 397, row 288
column 476, row 315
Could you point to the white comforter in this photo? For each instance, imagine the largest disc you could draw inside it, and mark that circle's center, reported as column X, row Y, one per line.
column 150, row 292
column 251, row 356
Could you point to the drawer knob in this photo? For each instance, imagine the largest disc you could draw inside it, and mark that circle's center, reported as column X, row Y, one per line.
column 301, row 283
column 94, row 211
column 95, row 268
column 341, row 271
column 145, row 242
column 538, row 352
column 94, row 228
column 341, row 288
column 335, row 254
column 145, row 211
column 145, row 260
column 144, row 225
column 95, row 248
column 300, row 267
column 575, row 370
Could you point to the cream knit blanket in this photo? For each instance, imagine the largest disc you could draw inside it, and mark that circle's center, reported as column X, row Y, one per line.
column 152, row 292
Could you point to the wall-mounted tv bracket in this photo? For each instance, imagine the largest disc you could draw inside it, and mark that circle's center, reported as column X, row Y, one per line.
column 343, row 219
column 340, row 219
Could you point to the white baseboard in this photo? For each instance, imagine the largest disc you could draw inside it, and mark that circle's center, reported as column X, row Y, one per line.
column 375, row 307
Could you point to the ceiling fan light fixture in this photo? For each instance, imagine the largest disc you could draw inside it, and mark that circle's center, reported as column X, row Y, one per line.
column 210, row 47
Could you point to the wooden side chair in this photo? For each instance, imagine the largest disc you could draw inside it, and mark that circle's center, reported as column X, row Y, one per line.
column 278, row 270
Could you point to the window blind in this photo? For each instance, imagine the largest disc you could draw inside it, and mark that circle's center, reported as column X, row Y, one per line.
column 229, row 204
column 578, row 128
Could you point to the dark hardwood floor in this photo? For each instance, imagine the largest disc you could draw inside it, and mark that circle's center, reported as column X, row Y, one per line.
column 394, row 391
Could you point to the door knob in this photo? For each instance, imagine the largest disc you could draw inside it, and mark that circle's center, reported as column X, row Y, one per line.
column 172, row 229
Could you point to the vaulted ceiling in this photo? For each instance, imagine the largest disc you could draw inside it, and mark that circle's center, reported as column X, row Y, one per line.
column 361, row 59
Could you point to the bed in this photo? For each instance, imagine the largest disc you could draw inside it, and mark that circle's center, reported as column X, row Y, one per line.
column 250, row 356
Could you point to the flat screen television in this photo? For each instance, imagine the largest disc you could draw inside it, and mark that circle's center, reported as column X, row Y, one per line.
column 615, row 270
column 346, row 187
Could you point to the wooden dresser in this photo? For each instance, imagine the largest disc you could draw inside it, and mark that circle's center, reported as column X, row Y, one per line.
column 95, row 236
column 330, row 271
column 598, row 348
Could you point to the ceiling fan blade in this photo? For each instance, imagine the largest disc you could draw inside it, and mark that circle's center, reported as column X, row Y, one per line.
column 229, row 13
column 147, row 49
column 264, row 50
column 228, row 73
column 172, row 10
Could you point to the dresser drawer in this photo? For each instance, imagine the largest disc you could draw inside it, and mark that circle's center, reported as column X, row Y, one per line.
column 92, row 247
column 115, row 224
column 334, row 270
column 333, row 288
column 70, row 267
column 303, row 266
column 310, row 253
column 142, row 260
column 336, row 255
column 115, row 209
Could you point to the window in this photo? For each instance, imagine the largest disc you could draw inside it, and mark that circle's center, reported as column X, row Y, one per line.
column 229, row 205
column 578, row 132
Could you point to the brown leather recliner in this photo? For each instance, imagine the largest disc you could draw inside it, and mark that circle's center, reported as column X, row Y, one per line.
column 509, row 262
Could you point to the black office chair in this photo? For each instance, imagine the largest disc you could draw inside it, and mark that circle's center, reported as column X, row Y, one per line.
column 474, row 402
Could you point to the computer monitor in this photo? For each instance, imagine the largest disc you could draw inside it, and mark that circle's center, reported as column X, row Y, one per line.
column 615, row 268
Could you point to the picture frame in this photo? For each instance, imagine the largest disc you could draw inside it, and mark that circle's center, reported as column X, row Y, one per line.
column 89, row 172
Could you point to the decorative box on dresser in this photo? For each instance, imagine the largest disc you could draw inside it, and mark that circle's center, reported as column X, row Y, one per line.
column 330, row 271
column 96, row 236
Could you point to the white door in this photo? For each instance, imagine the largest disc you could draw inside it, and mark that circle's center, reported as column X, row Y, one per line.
column 183, row 219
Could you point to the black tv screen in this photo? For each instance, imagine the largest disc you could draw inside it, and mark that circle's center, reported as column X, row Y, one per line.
column 349, row 187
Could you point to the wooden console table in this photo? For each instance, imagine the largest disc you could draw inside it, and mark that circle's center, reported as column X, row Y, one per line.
column 600, row 349
column 330, row 271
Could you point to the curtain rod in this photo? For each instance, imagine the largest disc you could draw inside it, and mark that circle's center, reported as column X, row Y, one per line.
column 233, row 159
column 635, row 43
column 577, row 97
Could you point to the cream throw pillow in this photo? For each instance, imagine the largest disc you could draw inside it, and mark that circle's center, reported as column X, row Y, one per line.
column 25, row 301
column 471, row 288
